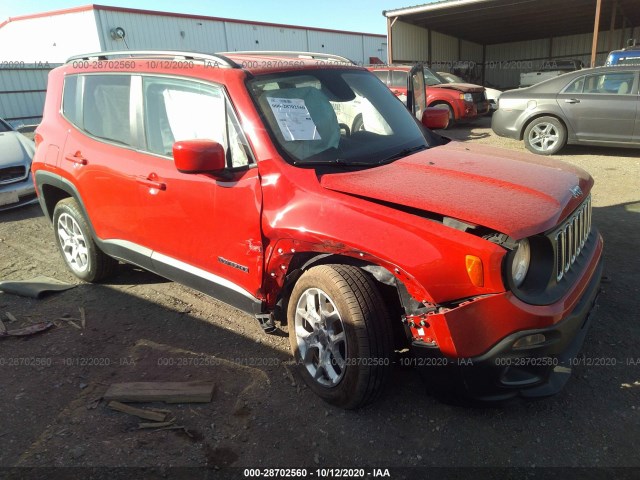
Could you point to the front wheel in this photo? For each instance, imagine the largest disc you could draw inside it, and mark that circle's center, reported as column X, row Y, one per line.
column 74, row 240
column 545, row 136
column 340, row 335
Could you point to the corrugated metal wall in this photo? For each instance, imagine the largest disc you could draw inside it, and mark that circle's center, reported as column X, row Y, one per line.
column 22, row 92
column 56, row 38
column 49, row 39
column 470, row 51
column 504, row 62
column 409, row 43
column 444, row 49
column 448, row 54
column 144, row 31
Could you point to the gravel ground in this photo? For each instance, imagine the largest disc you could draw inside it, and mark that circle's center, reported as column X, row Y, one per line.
column 142, row 327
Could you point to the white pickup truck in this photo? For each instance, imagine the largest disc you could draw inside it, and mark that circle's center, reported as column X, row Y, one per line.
column 550, row 69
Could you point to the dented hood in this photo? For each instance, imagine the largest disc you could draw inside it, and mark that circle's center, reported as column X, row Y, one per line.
column 514, row 193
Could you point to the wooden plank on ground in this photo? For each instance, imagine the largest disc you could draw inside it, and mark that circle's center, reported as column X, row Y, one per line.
column 169, row 392
column 138, row 412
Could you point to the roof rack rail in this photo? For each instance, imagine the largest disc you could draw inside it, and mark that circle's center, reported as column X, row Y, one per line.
column 288, row 53
column 218, row 59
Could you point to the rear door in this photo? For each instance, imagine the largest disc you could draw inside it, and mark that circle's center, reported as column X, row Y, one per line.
column 602, row 106
column 96, row 152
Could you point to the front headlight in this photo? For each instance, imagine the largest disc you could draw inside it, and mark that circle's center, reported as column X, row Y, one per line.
column 521, row 261
column 468, row 97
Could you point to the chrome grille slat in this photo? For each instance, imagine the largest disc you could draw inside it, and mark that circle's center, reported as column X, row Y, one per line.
column 571, row 237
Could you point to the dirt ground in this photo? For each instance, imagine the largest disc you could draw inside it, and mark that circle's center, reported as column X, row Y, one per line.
column 140, row 327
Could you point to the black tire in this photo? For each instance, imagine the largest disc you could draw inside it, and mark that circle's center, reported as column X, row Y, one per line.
column 358, row 124
column 81, row 254
column 452, row 116
column 545, row 136
column 362, row 319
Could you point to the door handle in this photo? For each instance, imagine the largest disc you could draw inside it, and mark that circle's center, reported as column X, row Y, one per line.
column 151, row 182
column 76, row 158
column 572, row 100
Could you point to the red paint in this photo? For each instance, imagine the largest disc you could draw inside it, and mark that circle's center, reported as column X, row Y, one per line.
column 479, row 184
column 435, row 118
column 449, row 94
column 263, row 217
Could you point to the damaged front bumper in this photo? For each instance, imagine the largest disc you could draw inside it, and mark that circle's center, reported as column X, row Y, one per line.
column 528, row 363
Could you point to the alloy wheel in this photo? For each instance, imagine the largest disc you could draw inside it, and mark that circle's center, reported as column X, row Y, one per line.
column 320, row 337
column 73, row 243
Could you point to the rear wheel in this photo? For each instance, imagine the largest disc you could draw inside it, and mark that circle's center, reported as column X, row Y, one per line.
column 340, row 334
column 74, row 240
column 545, row 136
column 446, row 106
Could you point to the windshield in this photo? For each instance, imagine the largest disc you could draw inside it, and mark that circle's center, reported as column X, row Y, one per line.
column 335, row 116
column 432, row 78
column 451, row 78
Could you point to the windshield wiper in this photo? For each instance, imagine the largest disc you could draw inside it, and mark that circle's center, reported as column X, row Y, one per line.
column 403, row 153
column 337, row 162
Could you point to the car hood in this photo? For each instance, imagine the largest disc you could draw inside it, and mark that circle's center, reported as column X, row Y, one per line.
column 514, row 193
column 15, row 149
column 462, row 87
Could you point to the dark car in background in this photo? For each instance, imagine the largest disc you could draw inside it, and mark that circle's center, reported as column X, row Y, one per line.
column 597, row 106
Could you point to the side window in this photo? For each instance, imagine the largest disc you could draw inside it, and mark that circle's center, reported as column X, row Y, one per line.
column 576, row 86
column 613, row 83
column 177, row 110
column 399, row 79
column 105, row 107
column 69, row 99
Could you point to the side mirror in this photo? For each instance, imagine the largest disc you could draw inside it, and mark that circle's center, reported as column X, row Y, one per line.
column 435, row 118
column 199, row 156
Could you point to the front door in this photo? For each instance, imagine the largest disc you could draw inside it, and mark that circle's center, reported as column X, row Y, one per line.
column 602, row 107
column 204, row 231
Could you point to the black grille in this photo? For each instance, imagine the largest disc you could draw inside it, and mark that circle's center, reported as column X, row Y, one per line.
column 12, row 174
column 478, row 97
column 571, row 237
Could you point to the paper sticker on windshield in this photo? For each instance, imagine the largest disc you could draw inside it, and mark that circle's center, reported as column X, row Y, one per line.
column 293, row 119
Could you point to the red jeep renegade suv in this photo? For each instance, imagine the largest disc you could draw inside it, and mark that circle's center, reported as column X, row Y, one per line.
column 241, row 175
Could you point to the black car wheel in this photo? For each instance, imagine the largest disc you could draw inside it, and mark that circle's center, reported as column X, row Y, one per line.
column 340, row 334
column 74, row 240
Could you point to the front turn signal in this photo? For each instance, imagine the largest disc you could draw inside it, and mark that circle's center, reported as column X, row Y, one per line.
column 475, row 270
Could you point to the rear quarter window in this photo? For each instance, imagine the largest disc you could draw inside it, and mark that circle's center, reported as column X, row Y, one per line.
column 69, row 99
column 106, row 108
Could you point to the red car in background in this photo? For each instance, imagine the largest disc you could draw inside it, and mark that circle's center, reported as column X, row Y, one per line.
column 464, row 101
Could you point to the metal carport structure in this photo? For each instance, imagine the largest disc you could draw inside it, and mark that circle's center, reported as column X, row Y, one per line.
column 486, row 31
